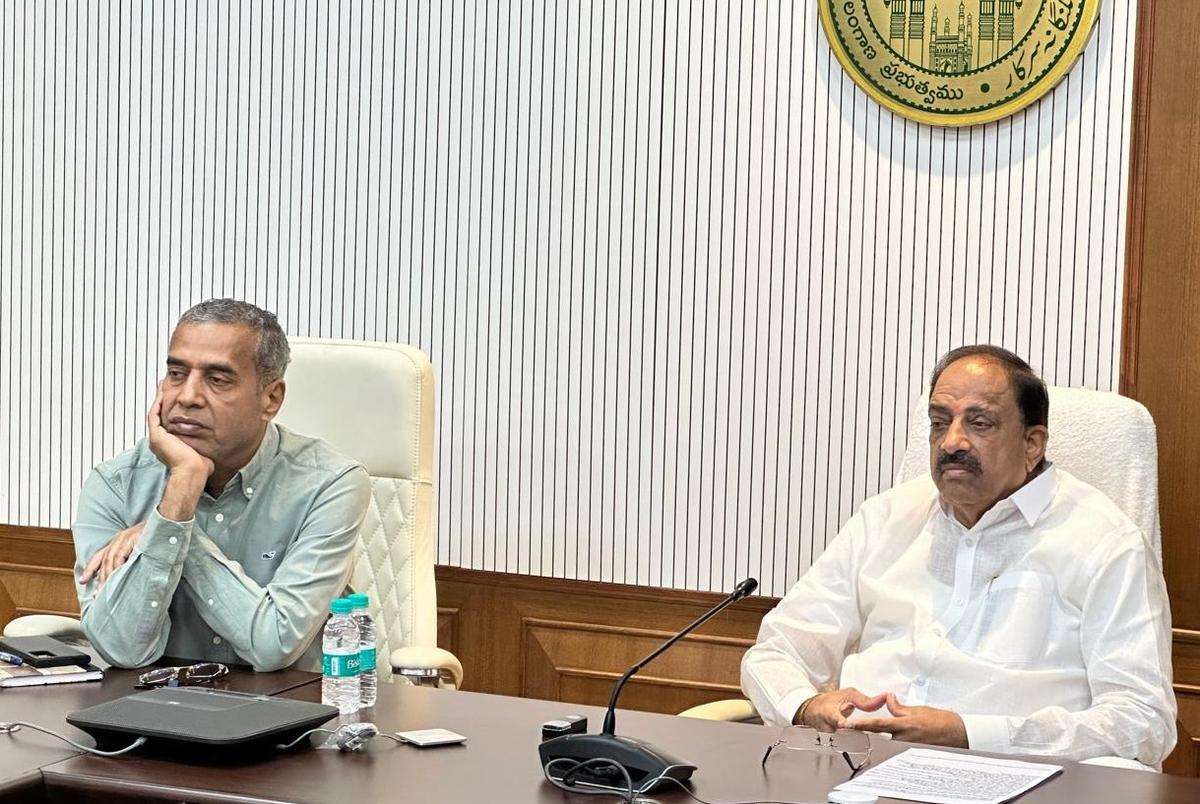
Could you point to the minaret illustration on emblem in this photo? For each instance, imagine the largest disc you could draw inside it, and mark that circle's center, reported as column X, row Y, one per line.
column 953, row 49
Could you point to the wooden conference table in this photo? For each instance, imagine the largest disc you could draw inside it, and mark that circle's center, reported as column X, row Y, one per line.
column 498, row 763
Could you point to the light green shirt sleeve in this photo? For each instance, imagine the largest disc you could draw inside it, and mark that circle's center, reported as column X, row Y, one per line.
column 126, row 620
column 270, row 626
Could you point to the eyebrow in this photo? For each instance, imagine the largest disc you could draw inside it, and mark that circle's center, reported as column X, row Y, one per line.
column 224, row 368
column 974, row 409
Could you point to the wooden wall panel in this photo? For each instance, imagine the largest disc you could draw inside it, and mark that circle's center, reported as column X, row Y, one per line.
column 570, row 640
column 580, row 662
column 1186, row 759
column 1186, row 662
column 447, row 628
column 35, row 568
column 8, row 608
column 39, row 590
column 1163, row 346
column 36, row 547
column 1160, row 363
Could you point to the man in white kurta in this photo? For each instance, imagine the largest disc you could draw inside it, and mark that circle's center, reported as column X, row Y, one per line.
column 998, row 603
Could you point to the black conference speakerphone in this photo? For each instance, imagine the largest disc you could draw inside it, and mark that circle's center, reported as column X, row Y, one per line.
column 200, row 721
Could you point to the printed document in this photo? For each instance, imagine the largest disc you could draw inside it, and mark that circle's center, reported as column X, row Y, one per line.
column 942, row 777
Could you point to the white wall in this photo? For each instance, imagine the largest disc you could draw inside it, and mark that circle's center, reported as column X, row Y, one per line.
column 679, row 277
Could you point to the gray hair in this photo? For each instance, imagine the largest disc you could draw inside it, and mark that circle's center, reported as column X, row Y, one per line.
column 272, row 355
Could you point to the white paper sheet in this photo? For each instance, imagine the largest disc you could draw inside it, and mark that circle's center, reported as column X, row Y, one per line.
column 942, row 777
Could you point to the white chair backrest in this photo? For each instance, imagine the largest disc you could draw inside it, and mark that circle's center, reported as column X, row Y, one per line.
column 1104, row 439
column 375, row 403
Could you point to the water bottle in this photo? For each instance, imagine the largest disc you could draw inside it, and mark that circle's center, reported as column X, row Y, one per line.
column 339, row 644
column 368, row 680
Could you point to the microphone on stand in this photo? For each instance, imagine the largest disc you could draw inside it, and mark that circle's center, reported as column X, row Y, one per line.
column 563, row 758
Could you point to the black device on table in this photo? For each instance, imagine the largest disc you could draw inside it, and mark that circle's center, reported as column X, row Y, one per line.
column 567, row 724
column 44, row 651
column 200, row 719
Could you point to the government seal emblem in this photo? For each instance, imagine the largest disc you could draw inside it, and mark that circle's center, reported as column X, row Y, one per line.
column 957, row 62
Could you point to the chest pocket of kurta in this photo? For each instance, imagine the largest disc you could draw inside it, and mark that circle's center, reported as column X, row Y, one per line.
column 1017, row 618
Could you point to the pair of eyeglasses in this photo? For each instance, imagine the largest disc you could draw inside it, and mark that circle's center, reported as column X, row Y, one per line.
column 188, row 676
column 853, row 746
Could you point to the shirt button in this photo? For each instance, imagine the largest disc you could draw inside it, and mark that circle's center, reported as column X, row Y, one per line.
column 153, row 604
column 249, row 491
column 219, row 517
column 173, row 540
column 210, row 601
column 959, row 601
column 216, row 640
column 920, row 682
column 937, row 632
column 970, row 542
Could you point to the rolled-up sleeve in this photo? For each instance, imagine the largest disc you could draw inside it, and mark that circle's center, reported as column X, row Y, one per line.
column 270, row 626
column 127, row 619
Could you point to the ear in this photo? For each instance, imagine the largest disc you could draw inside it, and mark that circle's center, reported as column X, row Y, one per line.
column 1035, row 445
column 273, row 399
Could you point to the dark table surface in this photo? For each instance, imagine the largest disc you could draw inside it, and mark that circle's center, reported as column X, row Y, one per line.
column 23, row 754
column 499, row 763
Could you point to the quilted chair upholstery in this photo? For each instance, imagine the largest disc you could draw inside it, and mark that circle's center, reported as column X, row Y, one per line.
column 375, row 403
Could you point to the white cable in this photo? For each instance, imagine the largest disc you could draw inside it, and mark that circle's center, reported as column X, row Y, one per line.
column 349, row 736
column 9, row 727
column 286, row 746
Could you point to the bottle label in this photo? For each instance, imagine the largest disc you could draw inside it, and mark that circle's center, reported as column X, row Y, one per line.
column 341, row 666
column 366, row 659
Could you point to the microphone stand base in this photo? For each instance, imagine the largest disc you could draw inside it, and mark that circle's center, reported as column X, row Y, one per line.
column 647, row 766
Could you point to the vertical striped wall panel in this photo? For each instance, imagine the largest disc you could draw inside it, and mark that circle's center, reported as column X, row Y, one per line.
column 680, row 279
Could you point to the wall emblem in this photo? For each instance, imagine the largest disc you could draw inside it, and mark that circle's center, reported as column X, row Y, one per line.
column 957, row 62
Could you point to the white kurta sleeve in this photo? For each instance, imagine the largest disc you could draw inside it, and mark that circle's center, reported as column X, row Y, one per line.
column 803, row 641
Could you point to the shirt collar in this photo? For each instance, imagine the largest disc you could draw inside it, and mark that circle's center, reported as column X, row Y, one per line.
column 252, row 472
column 1034, row 497
column 1031, row 499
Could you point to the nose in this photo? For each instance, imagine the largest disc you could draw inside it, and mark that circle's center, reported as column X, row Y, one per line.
column 191, row 392
column 955, row 438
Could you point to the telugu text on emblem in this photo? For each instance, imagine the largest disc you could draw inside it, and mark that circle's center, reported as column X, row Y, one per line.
column 957, row 62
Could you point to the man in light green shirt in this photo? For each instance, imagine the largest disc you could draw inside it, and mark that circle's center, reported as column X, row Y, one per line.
column 220, row 536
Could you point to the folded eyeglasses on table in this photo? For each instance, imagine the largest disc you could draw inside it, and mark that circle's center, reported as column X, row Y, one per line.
column 852, row 746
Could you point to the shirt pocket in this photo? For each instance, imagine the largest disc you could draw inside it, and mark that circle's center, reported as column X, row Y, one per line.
column 1018, row 617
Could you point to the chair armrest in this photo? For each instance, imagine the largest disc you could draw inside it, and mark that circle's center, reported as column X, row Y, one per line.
column 413, row 659
column 51, row 625
column 732, row 709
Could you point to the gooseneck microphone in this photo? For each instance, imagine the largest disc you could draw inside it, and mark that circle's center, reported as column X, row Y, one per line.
column 740, row 591
column 607, row 761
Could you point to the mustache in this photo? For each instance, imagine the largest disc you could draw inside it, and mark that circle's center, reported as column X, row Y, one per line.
column 961, row 458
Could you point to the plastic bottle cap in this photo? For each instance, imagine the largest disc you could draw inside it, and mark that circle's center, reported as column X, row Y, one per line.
column 358, row 600
column 340, row 606
column 850, row 797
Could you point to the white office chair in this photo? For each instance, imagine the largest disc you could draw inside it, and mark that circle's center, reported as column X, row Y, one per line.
column 374, row 402
column 1102, row 438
